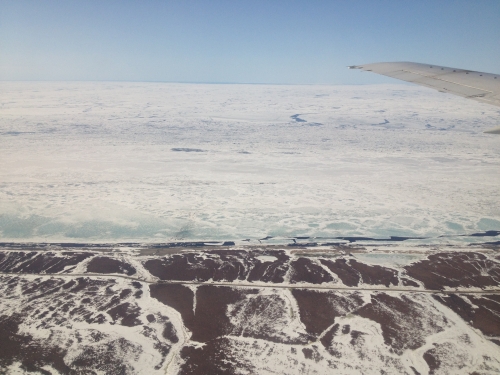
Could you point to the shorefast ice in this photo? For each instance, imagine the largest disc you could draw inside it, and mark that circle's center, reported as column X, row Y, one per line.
column 156, row 162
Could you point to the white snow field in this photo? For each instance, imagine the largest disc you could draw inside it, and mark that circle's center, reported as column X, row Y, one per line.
column 154, row 162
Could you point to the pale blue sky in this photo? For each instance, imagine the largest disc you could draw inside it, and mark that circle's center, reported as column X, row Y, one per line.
column 255, row 41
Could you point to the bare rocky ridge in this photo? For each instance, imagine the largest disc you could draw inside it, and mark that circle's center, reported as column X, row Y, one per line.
column 216, row 311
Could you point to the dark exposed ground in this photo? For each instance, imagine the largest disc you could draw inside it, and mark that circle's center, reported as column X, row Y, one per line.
column 64, row 302
column 318, row 309
column 482, row 312
column 220, row 265
column 391, row 311
column 40, row 262
column 214, row 315
column 109, row 265
column 32, row 354
column 456, row 270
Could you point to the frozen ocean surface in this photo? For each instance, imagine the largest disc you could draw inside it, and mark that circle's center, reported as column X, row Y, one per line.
column 155, row 162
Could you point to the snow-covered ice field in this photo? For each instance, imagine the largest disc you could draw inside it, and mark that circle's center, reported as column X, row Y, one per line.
column 154, row 162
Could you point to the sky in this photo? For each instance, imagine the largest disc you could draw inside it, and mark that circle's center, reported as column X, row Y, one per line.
column 241, row 41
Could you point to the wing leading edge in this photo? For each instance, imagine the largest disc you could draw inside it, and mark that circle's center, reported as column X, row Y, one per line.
column 482, row 87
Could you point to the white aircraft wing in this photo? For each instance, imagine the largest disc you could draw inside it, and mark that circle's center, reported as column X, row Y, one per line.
column 482, row 87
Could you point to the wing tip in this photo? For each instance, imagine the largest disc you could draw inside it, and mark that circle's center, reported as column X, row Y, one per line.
column 493, row 131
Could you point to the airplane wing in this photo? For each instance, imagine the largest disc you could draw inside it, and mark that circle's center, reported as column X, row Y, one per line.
column 482, row 87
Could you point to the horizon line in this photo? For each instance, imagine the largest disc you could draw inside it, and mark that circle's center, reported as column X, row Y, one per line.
column 208, row 82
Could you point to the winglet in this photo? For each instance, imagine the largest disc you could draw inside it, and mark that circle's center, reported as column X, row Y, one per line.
column 493, row 131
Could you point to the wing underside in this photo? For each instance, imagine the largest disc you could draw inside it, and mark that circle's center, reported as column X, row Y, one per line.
column 482, row 87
